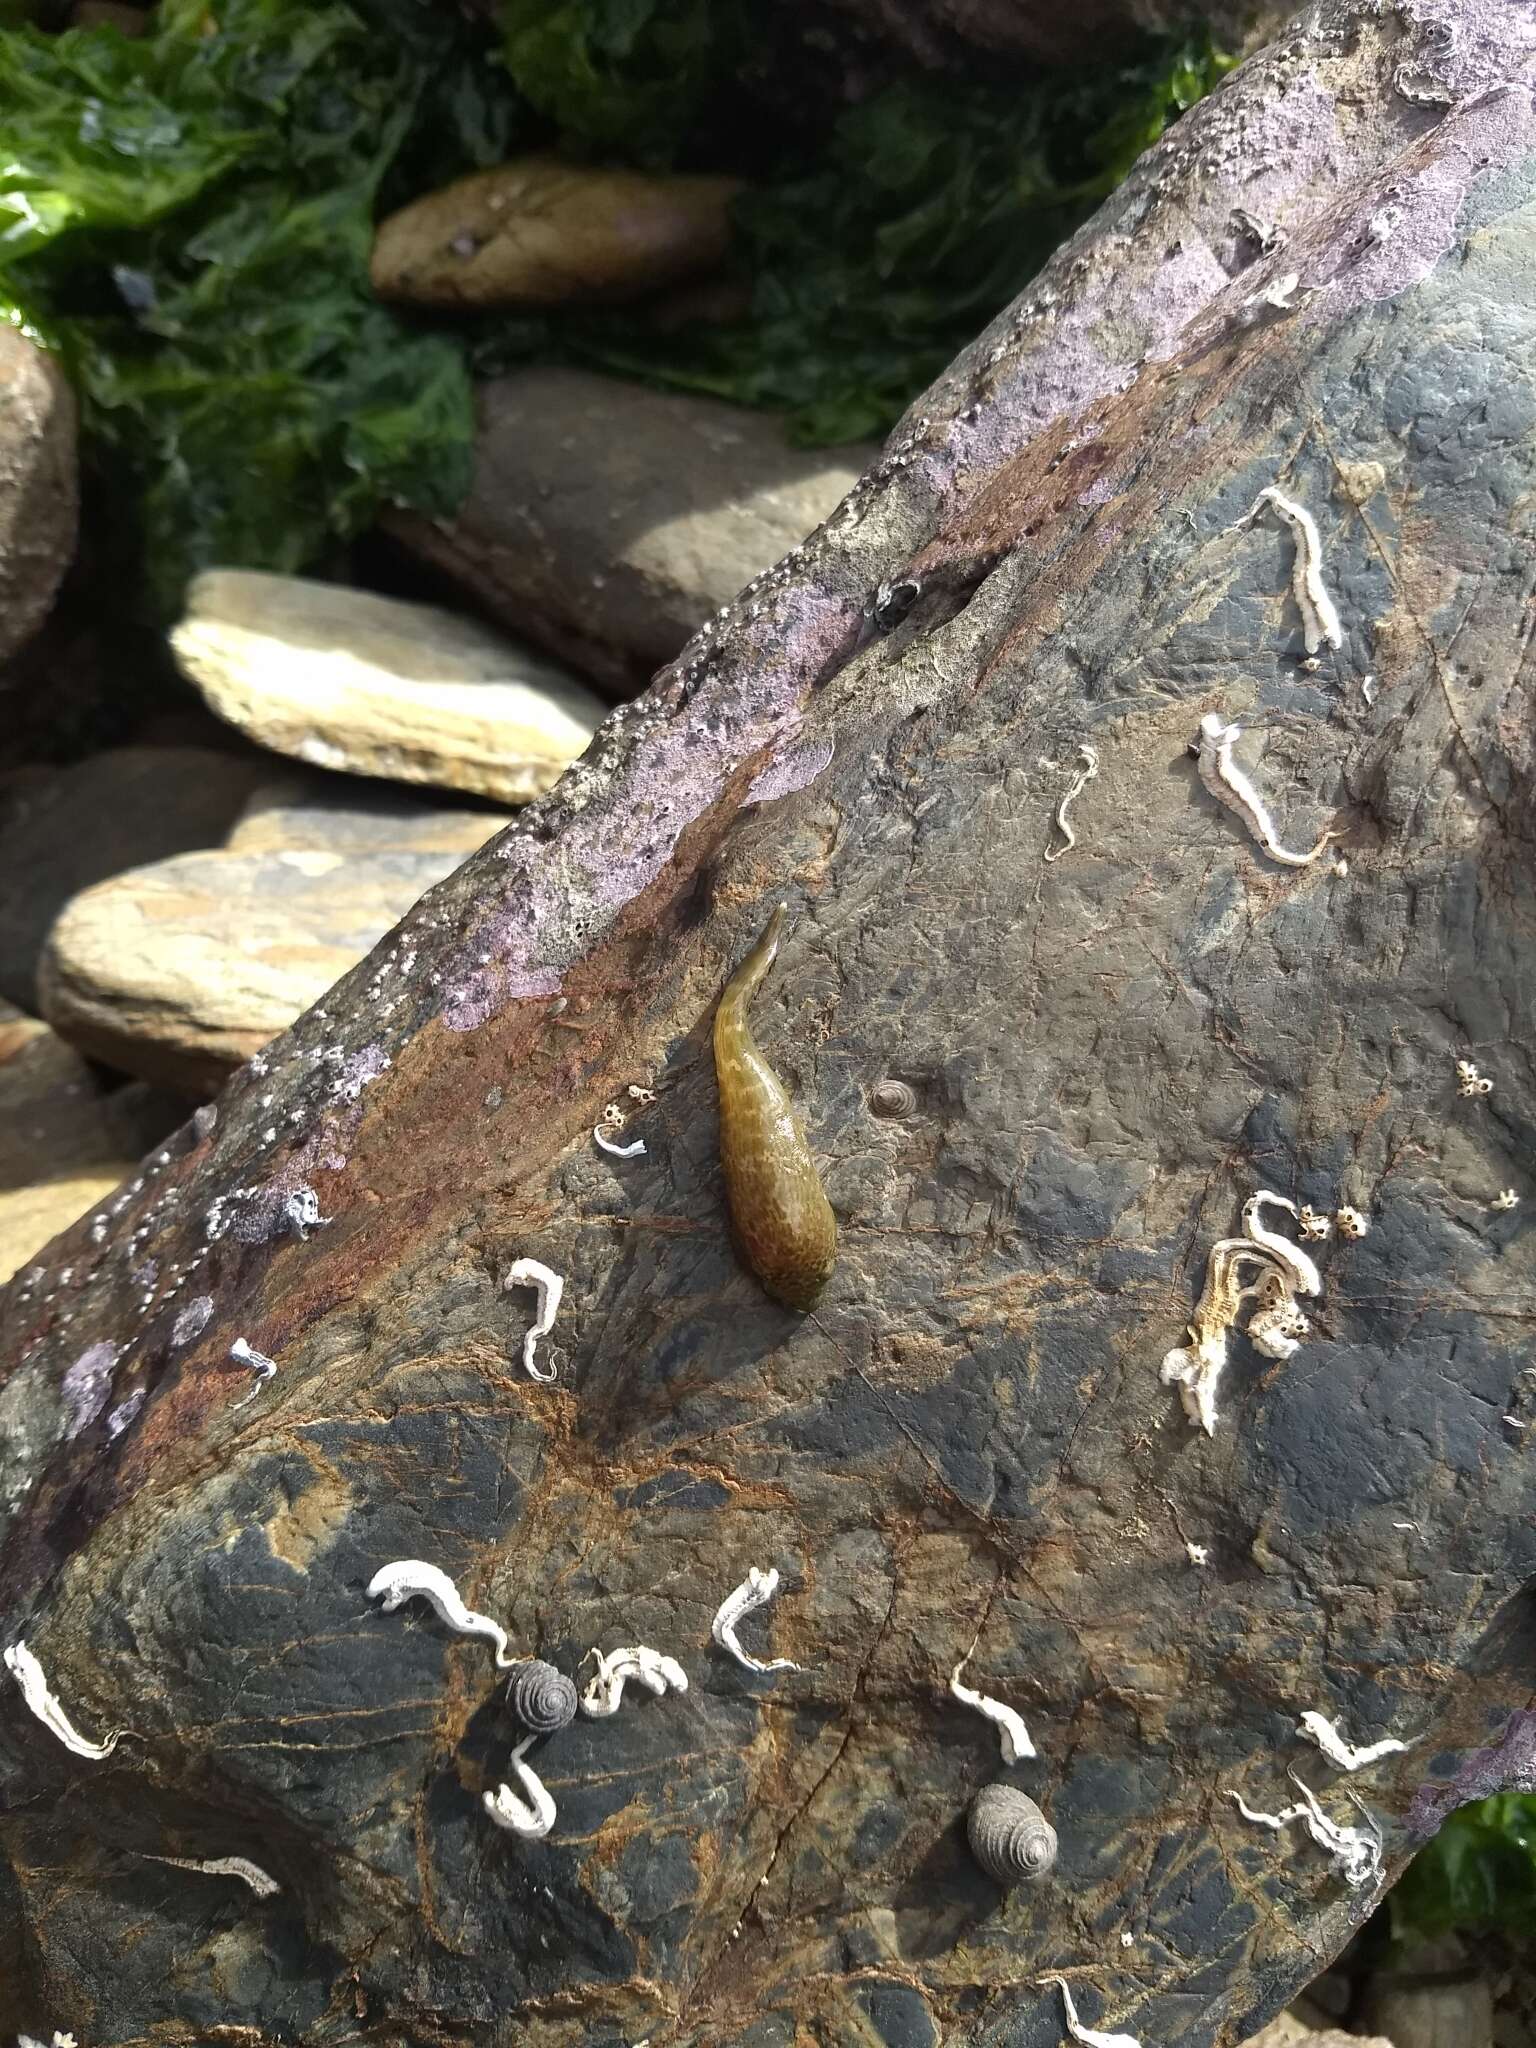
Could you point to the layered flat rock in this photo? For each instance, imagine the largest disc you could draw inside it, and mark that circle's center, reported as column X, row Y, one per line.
column 608, row 521
column 347, row 680
column 39, row 500
column 332, row 814
column 67, row 1137
column 62, row 830
column 180, row 971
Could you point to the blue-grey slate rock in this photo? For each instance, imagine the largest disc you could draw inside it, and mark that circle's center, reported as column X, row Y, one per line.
column 967, row 1448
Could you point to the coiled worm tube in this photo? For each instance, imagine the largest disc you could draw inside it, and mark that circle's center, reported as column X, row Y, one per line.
column 783, row 1222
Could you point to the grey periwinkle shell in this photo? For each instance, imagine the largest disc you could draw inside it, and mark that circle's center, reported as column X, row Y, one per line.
column 1010, row 1837
column 543, row 1698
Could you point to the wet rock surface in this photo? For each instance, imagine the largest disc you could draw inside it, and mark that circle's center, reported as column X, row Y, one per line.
column 609, row 522
column 967, row 1447
column 374, row 686
column 38, row 486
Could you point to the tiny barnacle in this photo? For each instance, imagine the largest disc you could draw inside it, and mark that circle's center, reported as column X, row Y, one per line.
column 1351, row 1223
column 1313, row 1223
column 1469, row 1081
column 1505, row 1200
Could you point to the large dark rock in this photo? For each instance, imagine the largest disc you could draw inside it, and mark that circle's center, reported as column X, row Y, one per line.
column 967, row 1447
column 38, row 485
column 607, row 522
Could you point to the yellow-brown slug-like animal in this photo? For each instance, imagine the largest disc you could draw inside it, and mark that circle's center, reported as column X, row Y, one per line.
column 784, row 1226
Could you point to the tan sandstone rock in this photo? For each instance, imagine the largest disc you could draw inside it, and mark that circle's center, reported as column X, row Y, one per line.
column 608, row 521
column 180, row 971
column 67, row 1137
column 62, row 830
column 344, row 679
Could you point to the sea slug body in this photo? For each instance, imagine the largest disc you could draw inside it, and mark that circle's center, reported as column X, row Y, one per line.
column 651, row 1668
column 1320, row 625
column 783, row 1223
column 549, row 1286
column 1090, row 760
column 249, row 1873
column 532, row 1817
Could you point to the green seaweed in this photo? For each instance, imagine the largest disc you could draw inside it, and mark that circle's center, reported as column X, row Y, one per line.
column 187, row 218
column 1477, row 1875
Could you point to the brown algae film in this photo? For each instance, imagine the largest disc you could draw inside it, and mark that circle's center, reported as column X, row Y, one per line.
column 783, row 1222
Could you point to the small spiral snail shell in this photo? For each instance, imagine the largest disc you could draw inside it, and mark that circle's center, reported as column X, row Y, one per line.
column 892, row 1098
column 543, row 1698
column 1010, row 1837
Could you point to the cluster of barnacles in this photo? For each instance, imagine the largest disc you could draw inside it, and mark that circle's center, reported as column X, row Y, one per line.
column 1263, row 1267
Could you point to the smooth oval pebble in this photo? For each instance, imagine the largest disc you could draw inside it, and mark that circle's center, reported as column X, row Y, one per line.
column 539, row 232
column 543, row 1698
column 1010, row 1837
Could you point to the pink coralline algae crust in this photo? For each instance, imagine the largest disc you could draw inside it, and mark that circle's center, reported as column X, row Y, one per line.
column 86, row 1385
column 1508, row 1765
column 1421, row 207
column 616, row 848
column 790, row 769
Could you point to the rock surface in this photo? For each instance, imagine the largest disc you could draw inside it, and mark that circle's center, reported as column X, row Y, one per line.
column 64, row 829
column 66, row 1137
column 608, row 521
column 373, row 686
column 332, row 814
column 541, row 232
column 967, row 1449
column 179, row 972
column 38, row 489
